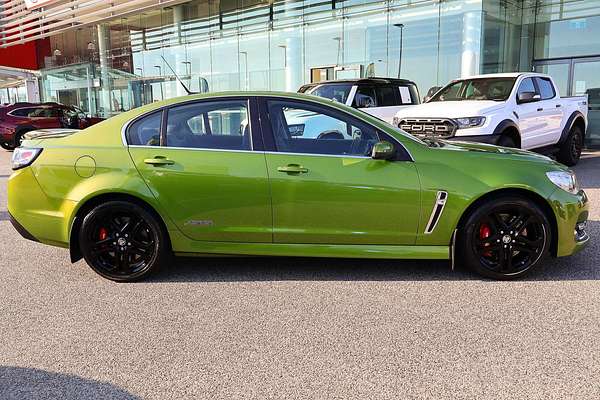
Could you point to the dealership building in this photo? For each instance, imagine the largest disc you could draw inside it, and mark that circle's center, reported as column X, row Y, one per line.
column 107, row 57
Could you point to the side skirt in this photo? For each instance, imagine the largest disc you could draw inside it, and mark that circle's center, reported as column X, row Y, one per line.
column 312, row 250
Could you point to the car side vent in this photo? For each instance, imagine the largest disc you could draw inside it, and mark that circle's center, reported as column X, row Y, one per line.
column 436, row 212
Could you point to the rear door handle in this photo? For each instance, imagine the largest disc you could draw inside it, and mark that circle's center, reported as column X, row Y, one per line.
column 558, row 105
column 292, row 169
column 540, row 109
column 159, row 160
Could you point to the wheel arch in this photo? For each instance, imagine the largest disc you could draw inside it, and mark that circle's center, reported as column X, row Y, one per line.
column 74, row 249
column 575, row 119
column 509, row 128
column 529, row 194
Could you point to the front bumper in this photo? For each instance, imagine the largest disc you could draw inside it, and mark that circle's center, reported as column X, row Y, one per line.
column 571, row 211
column 487, row 139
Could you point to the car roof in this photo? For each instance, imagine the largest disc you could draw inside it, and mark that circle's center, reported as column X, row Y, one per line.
column 503, row 75
column 373, row 80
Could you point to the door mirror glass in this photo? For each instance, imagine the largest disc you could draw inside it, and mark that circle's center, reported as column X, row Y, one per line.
column 528, row 97
column 383, row 151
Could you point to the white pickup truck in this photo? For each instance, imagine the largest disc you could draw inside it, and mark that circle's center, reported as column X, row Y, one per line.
column 522, row 110
column 380, row 97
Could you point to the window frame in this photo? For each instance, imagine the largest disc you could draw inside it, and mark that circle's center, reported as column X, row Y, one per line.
column 256, row 140
column 402, row 154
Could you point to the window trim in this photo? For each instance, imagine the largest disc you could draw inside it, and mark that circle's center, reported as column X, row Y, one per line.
column 256, row 141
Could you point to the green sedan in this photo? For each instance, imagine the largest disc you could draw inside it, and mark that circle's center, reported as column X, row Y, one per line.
column 280, row 174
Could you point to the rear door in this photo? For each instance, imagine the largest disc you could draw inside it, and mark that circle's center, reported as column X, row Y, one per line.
column 551, row 116
column 205, row 165
column 326, row 188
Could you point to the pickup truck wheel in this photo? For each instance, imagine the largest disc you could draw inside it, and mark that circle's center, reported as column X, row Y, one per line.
column 505, row 238
column 570, row 150
column 506, row 141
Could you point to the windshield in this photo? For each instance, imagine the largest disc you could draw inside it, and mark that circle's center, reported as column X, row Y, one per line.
column 338, row 92
column 497, row 89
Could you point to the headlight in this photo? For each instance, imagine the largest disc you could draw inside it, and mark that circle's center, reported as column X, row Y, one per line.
column 469, row 122
column 565, row 180
column 24, row 156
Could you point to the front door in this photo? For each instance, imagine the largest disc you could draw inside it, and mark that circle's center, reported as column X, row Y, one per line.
column 532, row 129
column 326, row 188
column 200, row 163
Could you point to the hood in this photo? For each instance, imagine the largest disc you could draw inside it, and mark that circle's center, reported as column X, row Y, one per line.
column 500, row 152
column 450, row 109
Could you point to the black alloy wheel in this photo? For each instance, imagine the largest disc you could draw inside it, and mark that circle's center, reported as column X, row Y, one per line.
column 571, row 149
column 506, row 238
column 121, row 241
column 6, row 146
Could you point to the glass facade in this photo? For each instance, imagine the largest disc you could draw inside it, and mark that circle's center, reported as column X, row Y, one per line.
column 216, row 45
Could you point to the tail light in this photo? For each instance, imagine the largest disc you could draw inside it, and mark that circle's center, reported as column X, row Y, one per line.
column 24, row 156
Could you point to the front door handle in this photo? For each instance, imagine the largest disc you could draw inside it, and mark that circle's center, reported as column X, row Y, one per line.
column 558, row 105
column 540, row 109
column 293, row 169
column 159, row 160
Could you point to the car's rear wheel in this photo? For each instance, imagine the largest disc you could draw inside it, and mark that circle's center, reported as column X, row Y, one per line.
column 570, row 150
column 122, row 241
column 505, row 238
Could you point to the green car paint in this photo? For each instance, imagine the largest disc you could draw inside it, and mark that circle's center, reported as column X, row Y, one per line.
column 240, row 202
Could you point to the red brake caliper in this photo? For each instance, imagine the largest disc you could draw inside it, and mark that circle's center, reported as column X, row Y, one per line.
column 103, row 233
column 484, row 233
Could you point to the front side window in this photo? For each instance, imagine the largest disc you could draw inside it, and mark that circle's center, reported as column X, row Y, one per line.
column 497, row 89
column 301, row 128
column 336, row 92
column 364, row 97
column 526, row 86
column 546, row 88
column 209, row 125
column 145, row 131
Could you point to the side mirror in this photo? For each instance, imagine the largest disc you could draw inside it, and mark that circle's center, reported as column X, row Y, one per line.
column 383, row 151
column 528, row 97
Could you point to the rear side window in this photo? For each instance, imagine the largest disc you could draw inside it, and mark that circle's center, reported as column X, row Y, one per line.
column 364, row 97
column 386, row 96
column 210, row 125
column 145, row 131
column 22, row 112
column 546, row 88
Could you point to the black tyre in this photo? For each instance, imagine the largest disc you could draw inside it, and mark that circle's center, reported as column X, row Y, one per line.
column 122, row 241
column 505, row 238
column 7, row 146
column 570, row 151
column 506, row 141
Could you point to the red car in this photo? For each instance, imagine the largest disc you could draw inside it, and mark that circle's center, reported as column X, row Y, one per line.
column 20, row 118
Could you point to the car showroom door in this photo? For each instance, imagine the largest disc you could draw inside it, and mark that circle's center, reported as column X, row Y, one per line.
column 325, row 188
column 198, row 160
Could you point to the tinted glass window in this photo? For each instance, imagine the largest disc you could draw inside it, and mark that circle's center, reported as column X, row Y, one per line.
column 337, row 92
column 546, row 89
column 46, row 112
column 526, row 86
column 364, row 97
column 145, row 131
column 22, row 112
column 386, row 96
column 301, row 128
column 210, row 125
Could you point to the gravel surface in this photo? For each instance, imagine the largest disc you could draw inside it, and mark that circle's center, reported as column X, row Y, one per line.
column 293, row 328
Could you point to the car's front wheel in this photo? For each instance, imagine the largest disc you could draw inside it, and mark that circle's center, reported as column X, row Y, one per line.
column 6, row 145
column 505, row 238
column 122, row 241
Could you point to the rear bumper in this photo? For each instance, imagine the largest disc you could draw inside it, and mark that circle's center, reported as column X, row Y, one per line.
column 21, row 229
